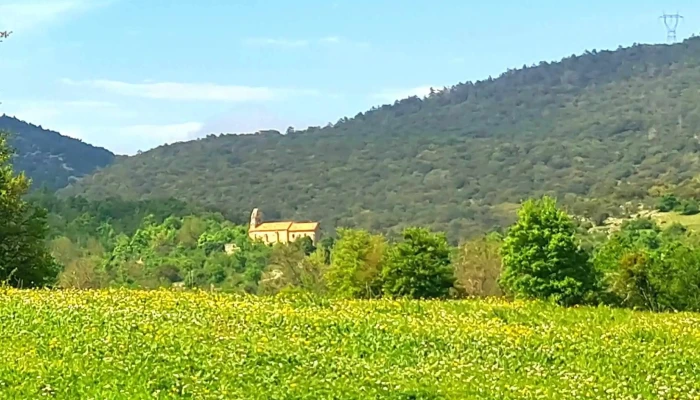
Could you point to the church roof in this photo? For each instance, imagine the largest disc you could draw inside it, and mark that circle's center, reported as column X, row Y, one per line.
column 286, row 226
column 272, row 226
column 303, row 226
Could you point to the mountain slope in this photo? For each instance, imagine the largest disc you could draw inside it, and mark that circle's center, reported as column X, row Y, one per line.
column 50, row 159
column 606, row 125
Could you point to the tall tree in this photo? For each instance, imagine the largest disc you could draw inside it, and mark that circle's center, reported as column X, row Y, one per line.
column 419, row 266
column 542, row 257
column 24, row 259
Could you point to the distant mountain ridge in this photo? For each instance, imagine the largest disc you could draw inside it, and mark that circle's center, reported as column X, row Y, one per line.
column 49, row 158
column 596, row 130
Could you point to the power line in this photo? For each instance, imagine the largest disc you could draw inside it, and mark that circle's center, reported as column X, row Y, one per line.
column 671, row 21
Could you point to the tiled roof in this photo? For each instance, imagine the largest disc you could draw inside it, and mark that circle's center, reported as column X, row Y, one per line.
column 303, row 226
column 272, row 226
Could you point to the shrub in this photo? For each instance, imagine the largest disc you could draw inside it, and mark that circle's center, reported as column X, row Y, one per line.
column 690, row 207
column 477, row 267
column 419, row 266
column 290, row 268
column 661, row 280
column 668, row 203
column 356, row 263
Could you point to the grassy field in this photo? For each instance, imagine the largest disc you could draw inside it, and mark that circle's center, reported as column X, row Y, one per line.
column 142, row 345
column 690, row 221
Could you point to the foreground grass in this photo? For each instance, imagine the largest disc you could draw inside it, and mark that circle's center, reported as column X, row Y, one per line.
column 134, row 345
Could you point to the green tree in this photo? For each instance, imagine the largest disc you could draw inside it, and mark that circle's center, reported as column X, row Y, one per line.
column 668, row 202
column 633, row 282
column 306, row 244
column 24, row 259
column 356, row 264
column 419, row 266
column 542, row 258
column 326, row 246
column 291, row 267
column 690, row 207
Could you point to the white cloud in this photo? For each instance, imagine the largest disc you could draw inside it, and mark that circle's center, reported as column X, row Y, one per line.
column 297, row 43
column 45, row 112
column 248, row 118
column 337, row 41
column 167, row 133
column 281, row 42
column 193, row 91
column 21, row 16
column 330, row 39
column 35, row 114
column 62, row 117
column 398, row 94
column 129, row 139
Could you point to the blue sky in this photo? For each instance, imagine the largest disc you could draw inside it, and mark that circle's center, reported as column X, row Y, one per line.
column 132, row 74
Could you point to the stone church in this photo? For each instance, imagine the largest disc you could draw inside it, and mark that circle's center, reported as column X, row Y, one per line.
column 281, row 231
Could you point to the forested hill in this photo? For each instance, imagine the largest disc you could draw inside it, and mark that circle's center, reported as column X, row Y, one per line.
column 611, row 126
column 50, row 159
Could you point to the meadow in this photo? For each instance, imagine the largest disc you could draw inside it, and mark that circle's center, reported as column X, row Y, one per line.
column 122, row 344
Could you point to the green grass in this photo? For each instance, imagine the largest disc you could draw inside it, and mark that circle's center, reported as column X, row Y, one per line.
column 142, row 345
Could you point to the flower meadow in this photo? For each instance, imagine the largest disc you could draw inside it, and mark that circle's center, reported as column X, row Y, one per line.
column 126, row 344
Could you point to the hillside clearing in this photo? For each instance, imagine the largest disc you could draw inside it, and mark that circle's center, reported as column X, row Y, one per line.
column 122, row 344
column 666, row 219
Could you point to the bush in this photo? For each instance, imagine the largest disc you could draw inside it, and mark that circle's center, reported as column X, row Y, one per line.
column 639, row 224
column 477, row 267
column 633, row 282
column 82, row 273
column 541, row 256
column 419, row 266
column 663, row 279
column 290, row 268
column 599, row 218
column 690, row 207
column 356, row 263
column 668, row 203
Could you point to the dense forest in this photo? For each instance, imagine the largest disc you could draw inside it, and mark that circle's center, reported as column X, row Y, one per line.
column 51, row 160
column 547, row 254
column 595, row 130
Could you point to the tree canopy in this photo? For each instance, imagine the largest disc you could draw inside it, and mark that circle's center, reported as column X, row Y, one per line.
column 24, row 260
column 542, row 257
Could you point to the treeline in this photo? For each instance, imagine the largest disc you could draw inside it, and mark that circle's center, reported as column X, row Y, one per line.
column 670, row 202
column 545, row 254
column 190, row 252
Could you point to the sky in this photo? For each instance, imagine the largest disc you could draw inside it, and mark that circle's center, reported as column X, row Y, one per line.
column 131, row 75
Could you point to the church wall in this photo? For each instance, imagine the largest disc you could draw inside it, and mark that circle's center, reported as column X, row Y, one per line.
column 270, row 237
column 297, row 235
column 280, row 236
